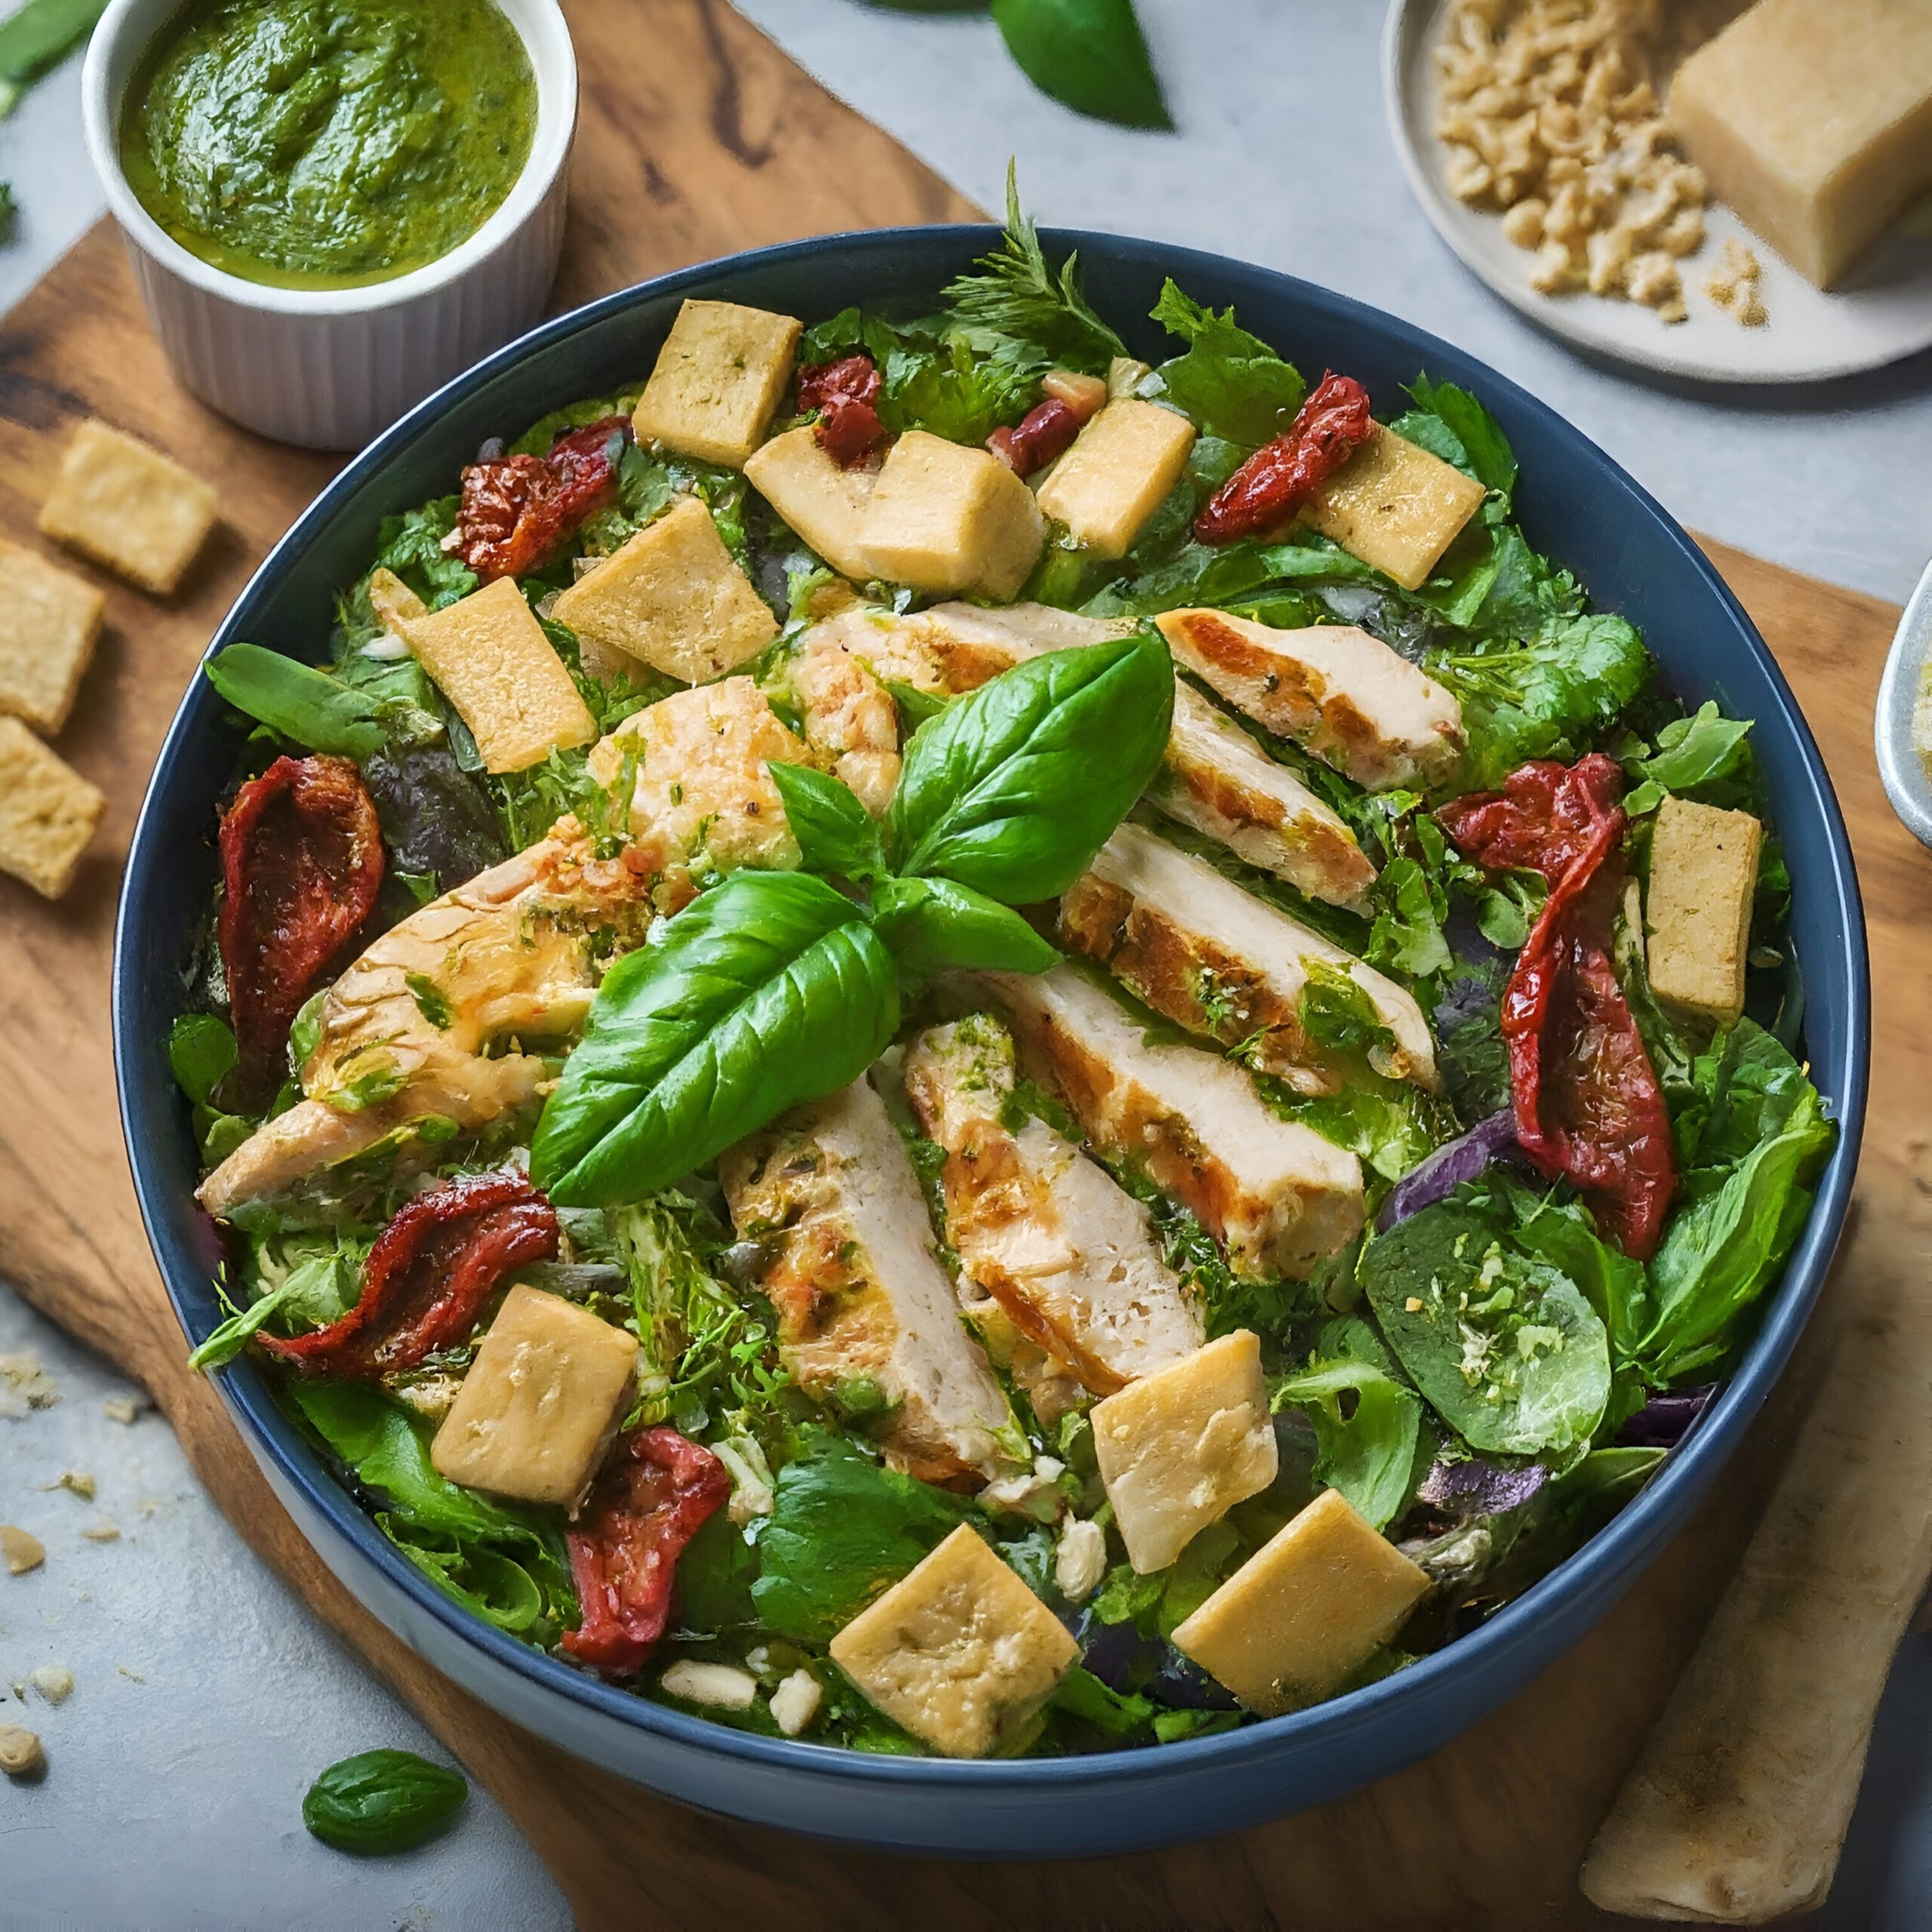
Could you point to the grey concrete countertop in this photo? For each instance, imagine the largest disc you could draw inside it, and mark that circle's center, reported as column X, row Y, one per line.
column 206, row 1697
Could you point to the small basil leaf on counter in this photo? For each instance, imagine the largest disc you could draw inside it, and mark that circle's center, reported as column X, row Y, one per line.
column 1090, row 55
column 1012, row 790
column 835, row 833
column 297, row 700
column 769, row 991
column 932, row 925
column 380, row 1801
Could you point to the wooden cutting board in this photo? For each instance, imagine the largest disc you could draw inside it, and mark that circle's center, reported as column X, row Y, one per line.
column 698, row 137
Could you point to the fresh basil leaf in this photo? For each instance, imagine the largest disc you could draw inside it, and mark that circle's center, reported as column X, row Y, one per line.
column 1368, row 1452
column 41, row 34
column 200, row 1051
column 1503, row 1345
column 1003, row 792
column 1231, row 382
column 933, row 924
column 835, row 833
column 299, row 702
column 769, row 991
column 1091, row 55
column 382, row 1801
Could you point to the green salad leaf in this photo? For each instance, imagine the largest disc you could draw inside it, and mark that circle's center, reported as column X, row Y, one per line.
column 769, row 990
column 1366, row 1422
column 411, row 545
column 1706, row 756
column 842, row 1529
column 1000, row 791
column 1449, row 422
column 1231, row 382
column 382, row 1801
column 314, row 710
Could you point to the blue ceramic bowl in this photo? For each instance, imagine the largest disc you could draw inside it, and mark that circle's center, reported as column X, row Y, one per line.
column 1576, row 503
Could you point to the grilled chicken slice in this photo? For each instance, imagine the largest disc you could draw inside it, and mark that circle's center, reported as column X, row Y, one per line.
column 850, row 719
column 1215, row 959
column 860, row 1292
column 1047, row 1236
column 1276, row 1195
column 438, row 1017
column 1345, row 695
column 1215, row 777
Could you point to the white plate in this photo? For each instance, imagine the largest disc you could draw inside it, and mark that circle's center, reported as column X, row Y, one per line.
column 1907, row 784
column 1885, row 314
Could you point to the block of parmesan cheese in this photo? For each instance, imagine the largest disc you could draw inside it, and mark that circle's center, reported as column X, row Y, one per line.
column 1813, row 119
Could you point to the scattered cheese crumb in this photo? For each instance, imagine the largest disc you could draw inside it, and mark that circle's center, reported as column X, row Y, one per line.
column 22, row 1553
column 1080, row 1559
column 55, row 1682
column 24, row 1385
column 101, row 1533
column 1413, row 1305
column 123, row 1409
column 794, row 1703
column 1735, row 285
column 723, row 1685
column 79, row 1480
column 21, row 1754
column 132, row 1676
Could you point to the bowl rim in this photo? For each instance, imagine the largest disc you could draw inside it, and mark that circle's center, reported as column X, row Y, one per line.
column 115, row 52
column 1590, row 1571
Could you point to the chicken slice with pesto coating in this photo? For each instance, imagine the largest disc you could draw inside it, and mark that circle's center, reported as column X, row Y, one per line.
column 1218, row 960
column 1067, row 1257
column 1275, row 1194
column 867, row 1319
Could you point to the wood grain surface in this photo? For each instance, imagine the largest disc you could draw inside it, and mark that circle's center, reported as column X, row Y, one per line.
column 698, row 137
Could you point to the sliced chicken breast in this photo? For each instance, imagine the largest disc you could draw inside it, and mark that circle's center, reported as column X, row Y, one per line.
column 861, row 1295
column 1354, row 702
column 1276, row 1195
column 1217, row 960
column 1067, row 1256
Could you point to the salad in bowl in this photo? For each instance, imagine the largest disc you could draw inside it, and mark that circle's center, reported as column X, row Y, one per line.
column 934, row 1041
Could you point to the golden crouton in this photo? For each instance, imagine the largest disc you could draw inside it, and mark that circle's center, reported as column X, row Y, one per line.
column 1396, row 507
column 128, row 508
column 673, row 598
column 49, row 620
column 48, row 811
column 393, row 601
column 1697, row 909
column 540, row 1403
column 490, row 656
column 1116, row 475
column 949, row 520
column 718, row 381
column 821, row 499
column 961, row 1653
column 1313, row 1603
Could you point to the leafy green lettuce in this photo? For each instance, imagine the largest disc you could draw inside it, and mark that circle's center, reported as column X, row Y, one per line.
column 1232, row 384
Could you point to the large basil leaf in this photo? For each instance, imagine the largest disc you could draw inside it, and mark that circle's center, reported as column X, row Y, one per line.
column 297, row 700
column 1089, row 54
column 769, row 990
column 1012, row 790
column 931, row 924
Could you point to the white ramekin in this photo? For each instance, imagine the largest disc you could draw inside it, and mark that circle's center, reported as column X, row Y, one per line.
column 330, row 368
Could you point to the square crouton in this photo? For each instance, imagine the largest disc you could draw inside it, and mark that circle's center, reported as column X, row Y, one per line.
column 541, row 1402
column 672, row 598
column 818, row 497
column 49, row 622
column 490, row 656
column 1313, row 1603
column 960, row 1652
column 1697, row 907
column 949, row 520
column 1117, row 475
column 1178, row 1449
column 718, row 381
column 128, row 508
column 1396, row 507
column 48, row 811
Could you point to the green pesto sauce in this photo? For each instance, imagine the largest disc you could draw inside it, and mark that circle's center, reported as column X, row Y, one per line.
column 324, row 143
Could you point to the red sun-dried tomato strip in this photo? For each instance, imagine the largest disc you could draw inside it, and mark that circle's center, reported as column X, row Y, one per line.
column 1588, row 1108
column 301, row 864
column 428, row 1276
column 516, row 509
column 1045, row 431
column 845, row 394
column 657, row 1491
column 1281, row 476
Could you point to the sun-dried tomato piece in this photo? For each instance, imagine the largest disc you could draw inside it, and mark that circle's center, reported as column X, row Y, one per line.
column 1046, row 431
column 301, row 864
column 1588, row 1108
column 516, row 509
column 845, row 394
column 428, row 1276
column 1281, row 476
column 657, row 1491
